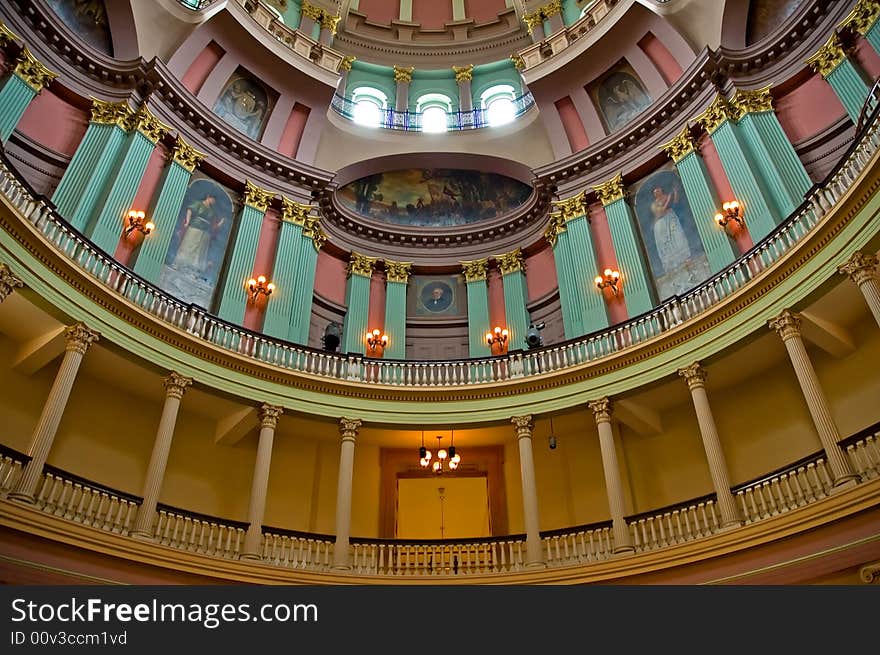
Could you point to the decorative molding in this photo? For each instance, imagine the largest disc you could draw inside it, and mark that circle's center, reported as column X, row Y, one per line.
column 510, row 262
column 7, row 37
column 573, row 207
column 78, row 338
column 294, row 212
column 541, row 14
column 269, row 415
column 860, row 268
column 464, row 73
column 695, row 375
column 402, row 74
column 397, row 271
column 312, row 230
column 8, row 282
column 348, row 428
column 32, row 71
column 112, row 113
column 475, row 270
column 863, row 16
column 828, row 57
column 151, row 127
column 611, row 191
column 346, row 63
column 752, row 102
column 870, row 572
column 256, row 197
column 518, row 62
column 185, row 155
column 601, row 409
column 175, row 385
column 523, row 426
column 555, row 227
column 787, row 325
column 681, row 146
column 361, row 265
column 716, row 113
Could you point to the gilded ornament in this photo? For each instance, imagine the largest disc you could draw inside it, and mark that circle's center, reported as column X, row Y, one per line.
column 787, row 325
column 518, row 62
column 9, row 282
column 510, row 262
column 269, row 415
column 533, row 20
column 402, row 74
column 312, row 230
column 555, row 227
column 681, row 146
column 175, row 385
column 151, row 127
column 347, row 61
column 329, row 22
column 552, row 8
column 294, row 212
column 861, row 268
column 32, row 71
column 348, row 428
column 601, row 409
column 311, row 11
column 361, row 265
column 610, row 191
column 464, row 73
column 863, row 16
column 828, row 57
column 475, row 270
column 398, row 271
column 6, row 36
column 523, row 426
column 256, row 197
column 695, row 375
column 715, row 114
column 752, row 102
column 573, row 207
column 78, row 338
column 185, row 155
column 111, row 113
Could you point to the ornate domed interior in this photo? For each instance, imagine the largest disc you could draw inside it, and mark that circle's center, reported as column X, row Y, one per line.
column 466, row 290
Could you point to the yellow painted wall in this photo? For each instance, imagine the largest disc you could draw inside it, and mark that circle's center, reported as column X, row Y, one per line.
column 21, row 397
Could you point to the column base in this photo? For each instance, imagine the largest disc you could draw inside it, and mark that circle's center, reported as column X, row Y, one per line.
column 341, row 568
column 536, row 565
column 727, row 527
column 21, row 497
column 623, row 551
column 140, row 535
column 250, row 556
column 845, row 483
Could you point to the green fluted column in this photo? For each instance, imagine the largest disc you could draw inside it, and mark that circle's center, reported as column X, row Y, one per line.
column 570, row 12
column 557, row 236
column 27, row 79
column 702, row 198
column 638, row 290
column 760, row 215
column 83, row 181
column 165, row 210
column 286, row 276
column 122, row 186
column 477, row 306
column 244, row 250
column 772, row 152
column 845, row 76
column 357, row 298
column 311, row 242
column 515, row 294
column 872, row 35
column 594, row 315
column 397, row 276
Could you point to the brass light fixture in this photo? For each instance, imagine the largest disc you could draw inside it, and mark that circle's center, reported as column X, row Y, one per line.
column 376, row 341
column 610, row 278
column 447, row 460
column 136, row 220
column 259, row 286
column 731, row 212
column 497, row 339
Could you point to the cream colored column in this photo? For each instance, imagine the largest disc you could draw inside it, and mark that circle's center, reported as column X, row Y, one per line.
column 8, row 282
column 696, row 380
column 862, row 269
column 534, row 551
column 78, row 339
column 348, row 429
column 788, row 326
column 602, row 412
column 175, row 385
column 269, row 415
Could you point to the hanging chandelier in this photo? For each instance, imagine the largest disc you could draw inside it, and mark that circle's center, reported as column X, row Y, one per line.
column 445, row 459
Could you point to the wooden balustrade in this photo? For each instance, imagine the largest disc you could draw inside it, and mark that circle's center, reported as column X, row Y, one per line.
column 198, row 534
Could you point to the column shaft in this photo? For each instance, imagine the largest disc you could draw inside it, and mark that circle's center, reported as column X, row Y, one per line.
column 514, row 285
column 357, row 297
column 849, row 86
column 478, row 317
column 96, row 178
column 15, row 96
column 395, row 319
column 302, row 306
column 534, row 550
column 622, row 540
column 260, row 482
column 569, row 294
column 585, row 266
column 79, row 171
column 638, row 290
column 341, row 557
column 286, row 276
column 244, row 250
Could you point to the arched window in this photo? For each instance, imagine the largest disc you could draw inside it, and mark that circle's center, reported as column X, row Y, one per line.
column 369, row 103
column 498, row 101
column 434, row 108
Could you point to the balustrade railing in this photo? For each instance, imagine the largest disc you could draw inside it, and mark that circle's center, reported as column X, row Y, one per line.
column 201, row 325
column 198, row 534
column 294, row 550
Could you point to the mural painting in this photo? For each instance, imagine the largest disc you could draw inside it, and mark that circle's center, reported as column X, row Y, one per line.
column 437, row 296
column 433, row 197
column 201, row 235
column 619, row 96
column 765, row 16
column 245, row 103
column 675, row 253
column 88, row 19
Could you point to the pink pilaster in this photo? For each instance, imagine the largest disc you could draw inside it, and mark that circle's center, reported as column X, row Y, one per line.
column 376, row 313
column 495, row 284
column 142, row 198
column 293, row 130
column 722, row 187
column 264, row 262
column 572, row 124
column 54, row 123
column 201, row 67
column 606, row 257
column 540, row 274
column 658, row 53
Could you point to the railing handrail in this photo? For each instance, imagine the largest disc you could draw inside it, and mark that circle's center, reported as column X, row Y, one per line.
column 198, row 516
column 672, row 507
column 494, row 539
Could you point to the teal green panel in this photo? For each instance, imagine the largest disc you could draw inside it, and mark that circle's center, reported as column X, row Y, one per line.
column 285, row 276
column 164, row 212
column 120, row 192
column 293, row 14
column 638, row 291
column 442, row 81
column 594, row 314
column 80, row 169
column 15, row 96
column 704, row 204
column 478, row 318
column 570, row 12
column 244, row 250
column 97, row 178
column 850, row 86
column 377, row 77
column 873, row 36
column 302, row 307
column 357, row 297
column 571, row 309
column 395, row 320
column 515, row 294
column 760, row 218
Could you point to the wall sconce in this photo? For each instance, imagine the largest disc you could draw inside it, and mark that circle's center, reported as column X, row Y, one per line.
column 377, row 341
column 609, row 278
column 136, row 221
column 731, row 211
column 497, row 339
column 259, row 286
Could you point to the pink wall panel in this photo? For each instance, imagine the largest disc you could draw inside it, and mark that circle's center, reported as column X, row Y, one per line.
column 658, row 53
column 146, row 192
column 330, row 278
column 868, row 59
column 264, row 263
column 201, row 67
column 606, row 257
column 722, row 186
column 293, row 131
column 808, row 109
column 432, row 13
column 541, row 274
column 497, row 314
column 376, row 314
column 483, row 11
column 571, row 123
column 380, row 11
column 54, row 123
